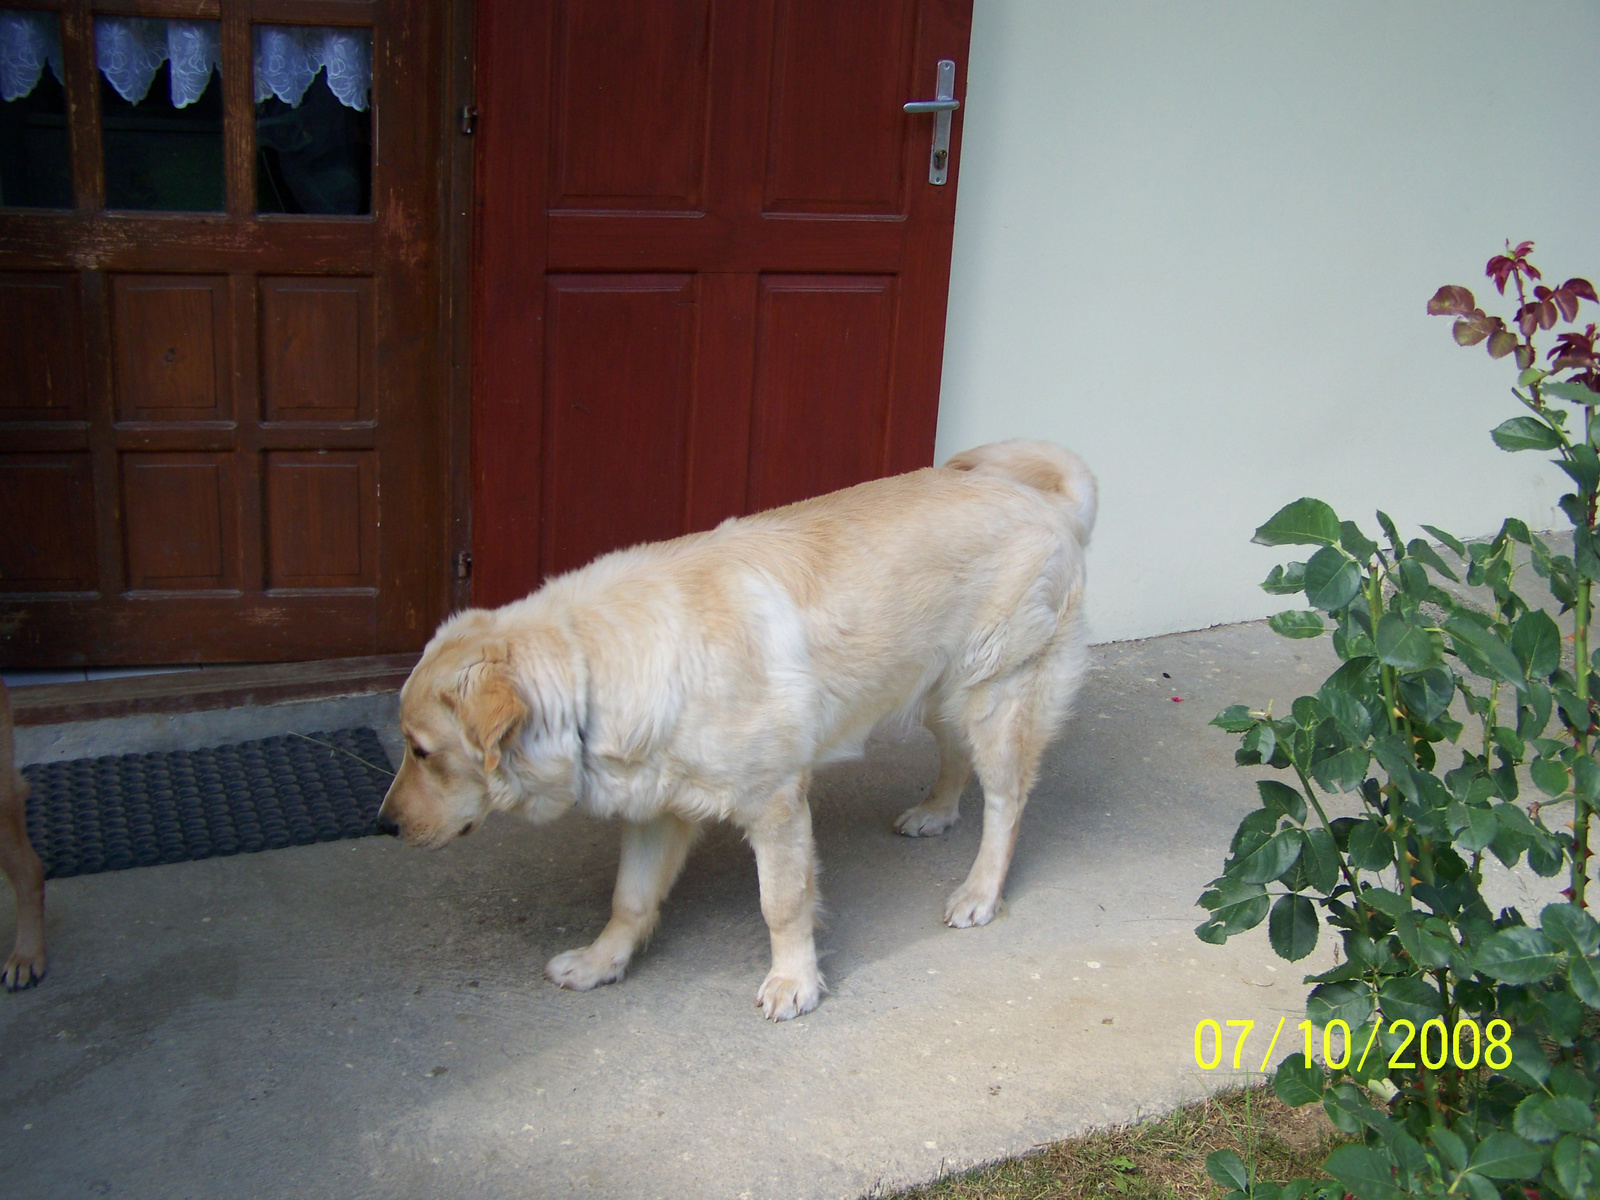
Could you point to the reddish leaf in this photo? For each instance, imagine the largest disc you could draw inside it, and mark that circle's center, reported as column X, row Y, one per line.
column 1528, row 318
column 1522, row 250
column 1567, row 302
column 1524, row 355
column 1451, row 301
column 1580, row 287
column 1471, row 330
column 1502, row 343
column 1499, row 270
column 1541, row 292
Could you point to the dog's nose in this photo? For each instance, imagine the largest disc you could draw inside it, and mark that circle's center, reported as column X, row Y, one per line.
column 387, row 827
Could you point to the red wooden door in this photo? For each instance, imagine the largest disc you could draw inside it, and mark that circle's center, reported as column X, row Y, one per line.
column 711, row 270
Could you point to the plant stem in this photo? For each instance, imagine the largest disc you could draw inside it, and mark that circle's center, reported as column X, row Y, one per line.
column 1580, row 641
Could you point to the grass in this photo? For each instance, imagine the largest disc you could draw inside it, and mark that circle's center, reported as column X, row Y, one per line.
column 1157, row 1159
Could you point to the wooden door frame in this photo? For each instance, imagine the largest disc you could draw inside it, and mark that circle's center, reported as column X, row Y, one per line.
column 457, row 210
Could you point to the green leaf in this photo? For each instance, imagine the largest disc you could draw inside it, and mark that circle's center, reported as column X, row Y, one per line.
column 1364, row 1171
column 1371, row 848
column 1260, row 741
column 1405, row 646
column 1549, row 776
column 1306, row 522
column 1281, row 798
column 1235, row 905
column 1296, row 623
column 1570, row 928
column 1479, row 828
column 1332, row 579
column 1545, row 1118
column 1505, row 1156
column 1576, row 393
column 1390, row 532
column 1457, row 546
column 1422, row 552
column 1349, row 1001
column 1235, row 718
column 1575, row 1163
column 1450, row 1146
column 1269, row 861
column 1359, row 545
column 1296, row 1084
column 1285, row 580
column 1586, row 777
column 1524, row 433
column 1485, row 653
column 1227, row 1170
column 1536, row 641
column 1390, row 904
column 1320, row 860
column 1428, row 693
column 1342, row 770
column 1516, row 955
column 1292, row 928
column 1583, row 977
column 1409, row 997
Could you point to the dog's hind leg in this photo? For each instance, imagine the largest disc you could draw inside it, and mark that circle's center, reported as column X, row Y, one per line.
column 786, row 861
column 939, row 810
column 1006, row 746
column 653, row 853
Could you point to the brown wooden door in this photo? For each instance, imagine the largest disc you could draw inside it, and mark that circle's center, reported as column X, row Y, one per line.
column 221, row 419
column 711, row 269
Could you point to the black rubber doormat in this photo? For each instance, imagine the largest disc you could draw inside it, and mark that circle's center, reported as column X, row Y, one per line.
column 140, row 810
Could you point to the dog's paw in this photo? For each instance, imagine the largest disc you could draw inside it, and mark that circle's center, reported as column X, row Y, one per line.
column 782, row 998
column 22, row 971
column 922, row 821
column 583, row 969
column 968, row 907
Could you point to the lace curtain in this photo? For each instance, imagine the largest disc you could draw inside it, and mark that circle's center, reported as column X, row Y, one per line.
column 288, row 58
column 29, row 42
column 130, row 50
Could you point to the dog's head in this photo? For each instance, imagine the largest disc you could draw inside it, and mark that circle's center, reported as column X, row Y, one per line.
column 488, row 726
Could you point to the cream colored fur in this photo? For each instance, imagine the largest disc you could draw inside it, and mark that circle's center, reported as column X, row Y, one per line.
column 705, row 678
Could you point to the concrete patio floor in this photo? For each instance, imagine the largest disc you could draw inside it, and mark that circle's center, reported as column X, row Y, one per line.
column 362, row 1019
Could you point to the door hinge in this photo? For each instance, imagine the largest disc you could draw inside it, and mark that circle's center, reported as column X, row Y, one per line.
column 469, row 118
column 463, row 564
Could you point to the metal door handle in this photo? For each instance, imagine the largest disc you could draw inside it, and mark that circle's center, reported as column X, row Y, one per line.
column 941, row 106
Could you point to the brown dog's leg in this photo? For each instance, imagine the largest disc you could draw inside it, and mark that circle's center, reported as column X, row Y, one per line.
column 653, row 852
column 786, row 868
column 26, row 965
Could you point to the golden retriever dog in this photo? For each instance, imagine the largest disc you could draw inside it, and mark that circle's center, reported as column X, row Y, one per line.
column 21, row 865
column 705, row 678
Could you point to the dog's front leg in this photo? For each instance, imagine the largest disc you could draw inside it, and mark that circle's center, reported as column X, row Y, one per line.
column 653, row 852
column 786, row 866
column 21, row 865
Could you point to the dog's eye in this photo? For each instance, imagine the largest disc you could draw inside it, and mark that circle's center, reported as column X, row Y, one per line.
column 418, row 753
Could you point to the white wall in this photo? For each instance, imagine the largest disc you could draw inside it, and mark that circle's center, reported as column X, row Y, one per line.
column 1194, row 242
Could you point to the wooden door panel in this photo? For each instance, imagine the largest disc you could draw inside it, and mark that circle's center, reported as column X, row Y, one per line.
column 42, row 347
column 617, row 399
column 841, row 70
column 630, row 102
column 823, row 367
column 48, row 502
column 316, row 349
column 170, row 346
column 321, row 515
column 180, row 514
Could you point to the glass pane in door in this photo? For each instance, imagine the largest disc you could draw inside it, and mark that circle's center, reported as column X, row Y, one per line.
column 35, row 162
column 313, row 90
column 161, row 113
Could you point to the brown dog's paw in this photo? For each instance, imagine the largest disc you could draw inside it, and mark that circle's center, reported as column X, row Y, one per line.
column 22, row 971
column 782, row 999
column 583, row 969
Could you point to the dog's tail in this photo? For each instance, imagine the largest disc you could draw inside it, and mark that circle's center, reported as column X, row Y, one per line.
column 1049, row 468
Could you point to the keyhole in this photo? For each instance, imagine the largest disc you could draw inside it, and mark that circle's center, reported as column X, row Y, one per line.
column 940, row 157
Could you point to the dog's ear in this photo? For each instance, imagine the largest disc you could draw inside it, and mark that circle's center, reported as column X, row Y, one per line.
column 488, row 706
